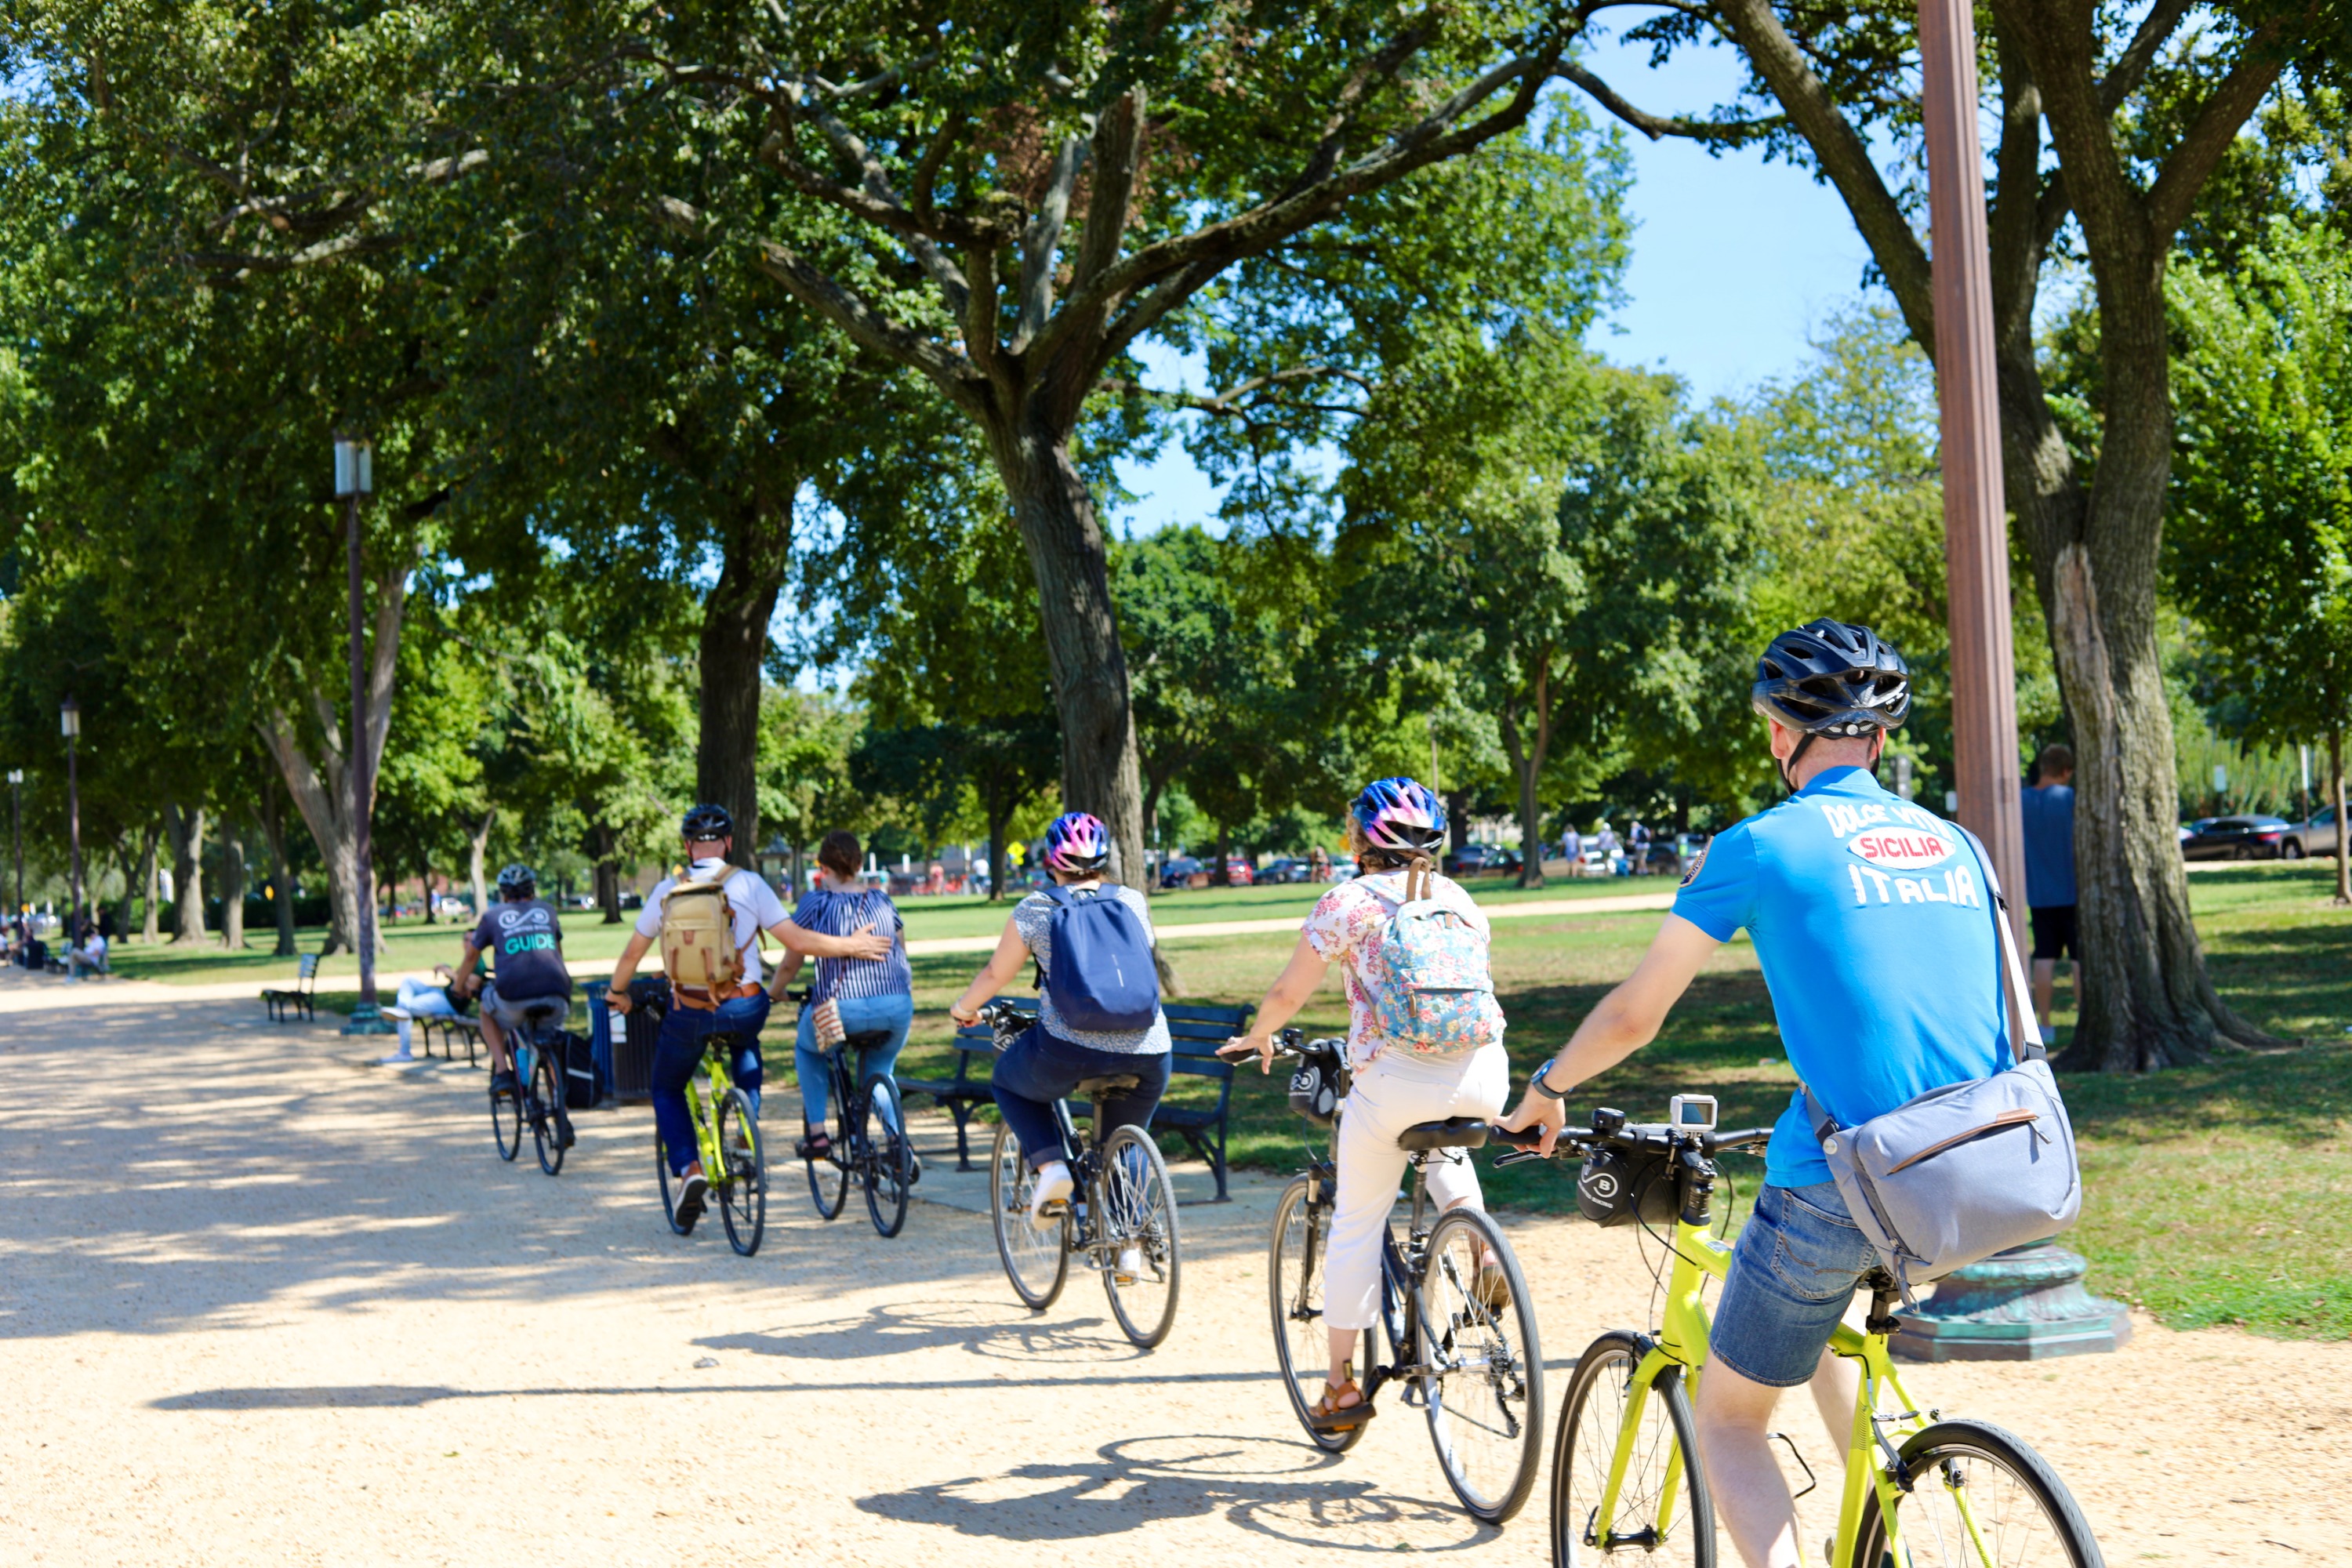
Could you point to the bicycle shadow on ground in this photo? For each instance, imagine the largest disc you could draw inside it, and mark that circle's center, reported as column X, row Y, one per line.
column 1007, row 1333
column 1282, row 1489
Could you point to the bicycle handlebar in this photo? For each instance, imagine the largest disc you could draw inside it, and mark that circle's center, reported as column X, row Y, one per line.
column 1655, row 1137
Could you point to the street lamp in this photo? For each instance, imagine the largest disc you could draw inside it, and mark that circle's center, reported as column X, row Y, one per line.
column 70, row 723
column 356, row 478
column 16, row 831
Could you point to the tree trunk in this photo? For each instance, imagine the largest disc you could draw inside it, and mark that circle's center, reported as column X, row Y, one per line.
column 281, row 870
column 1065, row 540
column 232, row 842
column 1000, row 864
column 320, row 783
column 1527, row 766
column 149, row 886
column 187, row 831
column 1457, row 820
column 478, row 848
column 608, row 873
column 734, row 650
column 1221, row 870
column 2335, row 793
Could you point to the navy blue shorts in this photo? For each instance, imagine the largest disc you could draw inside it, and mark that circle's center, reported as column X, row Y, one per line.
column 1793, row 1272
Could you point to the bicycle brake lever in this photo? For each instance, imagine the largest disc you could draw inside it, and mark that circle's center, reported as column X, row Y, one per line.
column 1517, row 1157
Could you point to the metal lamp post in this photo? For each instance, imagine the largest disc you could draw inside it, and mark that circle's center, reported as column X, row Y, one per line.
column 2028, row 1302
column 16, row 832
column 354, row 479
column 70, row 723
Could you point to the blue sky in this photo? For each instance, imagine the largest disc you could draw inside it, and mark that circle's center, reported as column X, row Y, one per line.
column 1735, row 262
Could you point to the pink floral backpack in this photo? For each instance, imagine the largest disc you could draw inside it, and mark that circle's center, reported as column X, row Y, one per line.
column 1439, row 998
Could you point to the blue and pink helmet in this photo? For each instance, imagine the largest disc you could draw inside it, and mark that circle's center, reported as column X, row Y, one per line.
column 1077, row 841
column 1399, row 814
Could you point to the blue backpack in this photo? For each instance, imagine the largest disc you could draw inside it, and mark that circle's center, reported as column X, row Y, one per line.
column 1103, row 981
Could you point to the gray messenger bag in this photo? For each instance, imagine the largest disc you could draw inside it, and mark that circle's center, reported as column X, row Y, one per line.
column 1968, row 1170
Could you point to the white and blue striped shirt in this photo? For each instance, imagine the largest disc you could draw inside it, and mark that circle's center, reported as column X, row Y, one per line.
column 829, row 914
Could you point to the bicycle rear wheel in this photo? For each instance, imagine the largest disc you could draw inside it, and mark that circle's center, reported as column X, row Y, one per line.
column 506, row 1120
column 1143, row 1267
column 828, row 1177
column 1662, row 1513
column 888, row 1169
column 1485, row 1398
column 1294, row 1280
column 1036, row 1261
column 1979, row 1499
column 742, row 1193
column 546, row 1105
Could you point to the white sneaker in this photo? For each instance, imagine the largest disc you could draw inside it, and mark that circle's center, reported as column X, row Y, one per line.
column 1051, row 1199
column 397, row 1058
column 403, row 1014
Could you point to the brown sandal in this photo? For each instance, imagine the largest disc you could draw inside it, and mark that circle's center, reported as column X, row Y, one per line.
column 1327, row 1415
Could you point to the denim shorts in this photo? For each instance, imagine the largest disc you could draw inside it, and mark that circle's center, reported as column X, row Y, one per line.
column 1793, row 1273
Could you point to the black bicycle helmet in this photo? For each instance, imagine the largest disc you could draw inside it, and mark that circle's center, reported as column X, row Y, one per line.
column 707, row 821
column 1828, row 678
column 518, row 882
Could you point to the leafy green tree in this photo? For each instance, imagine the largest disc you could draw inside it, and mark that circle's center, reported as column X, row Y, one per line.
column 2111, row 123
column 1030, row 193
column 2260, row 547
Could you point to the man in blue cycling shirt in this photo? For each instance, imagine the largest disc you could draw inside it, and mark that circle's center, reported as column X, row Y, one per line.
column 1873, row 924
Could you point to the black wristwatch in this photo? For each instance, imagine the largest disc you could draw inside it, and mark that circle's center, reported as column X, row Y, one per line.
column 1540, row 1087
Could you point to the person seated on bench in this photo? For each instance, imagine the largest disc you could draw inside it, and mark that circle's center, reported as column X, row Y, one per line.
column 521, row 927
column 89, row 952
column 1053, row 1057
column 1409, row 1066
column 424, row 999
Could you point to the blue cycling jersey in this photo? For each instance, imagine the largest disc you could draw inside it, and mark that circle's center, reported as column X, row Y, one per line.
column 1872, row 923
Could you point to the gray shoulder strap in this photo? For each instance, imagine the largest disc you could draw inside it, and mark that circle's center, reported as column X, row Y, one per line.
column 2012, row 969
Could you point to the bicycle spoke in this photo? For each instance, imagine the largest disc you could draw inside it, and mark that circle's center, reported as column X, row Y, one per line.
column 1486, row 1396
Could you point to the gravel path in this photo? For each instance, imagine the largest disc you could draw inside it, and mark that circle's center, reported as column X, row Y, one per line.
column 263, row 1303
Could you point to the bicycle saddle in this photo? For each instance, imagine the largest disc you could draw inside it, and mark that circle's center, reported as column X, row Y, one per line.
column 1454, row 1132
column 1096, row 1088
column 542, row 1009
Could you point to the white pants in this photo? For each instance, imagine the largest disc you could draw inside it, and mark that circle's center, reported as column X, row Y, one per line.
column 1395, row 1092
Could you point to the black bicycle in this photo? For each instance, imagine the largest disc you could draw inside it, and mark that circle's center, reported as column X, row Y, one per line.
column 539, row 1052
column 1466, row 1351
column 869, row 1145
column 1121, row 1219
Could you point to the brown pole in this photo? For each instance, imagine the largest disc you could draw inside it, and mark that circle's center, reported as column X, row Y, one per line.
column 363, row 787
column 1976, row 524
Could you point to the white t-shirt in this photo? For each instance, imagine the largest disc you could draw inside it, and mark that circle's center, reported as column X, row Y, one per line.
column 753, row 904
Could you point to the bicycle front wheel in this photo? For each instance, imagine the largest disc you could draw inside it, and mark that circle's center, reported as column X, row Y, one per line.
column 887, row 1166
column 742, row 1191
column 546, row 1105
column 1979, row 1499
column 1293, row 1279
column 506, row 1120
column 1660, row 1513
column 1036, row 1260
column 1486, row 1394
column 1142, row 1267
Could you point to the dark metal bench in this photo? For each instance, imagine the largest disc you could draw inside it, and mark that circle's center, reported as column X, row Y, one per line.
column 975, row 1048
column 282, row 1003
column 1195, row 1033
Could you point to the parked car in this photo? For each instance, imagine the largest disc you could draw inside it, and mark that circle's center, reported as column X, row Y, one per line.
column 1283, row 869
column 1240, row 872
column 2238, row 839
column 1477, row 860
column 2315, row 837
column 1177, row 870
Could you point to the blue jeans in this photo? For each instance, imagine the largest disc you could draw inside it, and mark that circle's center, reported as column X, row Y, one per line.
column 875, row 1027
column 677, row 1051
column 1039, row 1068
column 1792, row 1275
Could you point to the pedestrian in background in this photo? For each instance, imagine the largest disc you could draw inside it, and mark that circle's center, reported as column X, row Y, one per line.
column 2048, row 808
column 1571, row 844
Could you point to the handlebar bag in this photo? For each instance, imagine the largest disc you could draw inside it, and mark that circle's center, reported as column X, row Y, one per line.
column 1962, row 1172
column 1616, row 1187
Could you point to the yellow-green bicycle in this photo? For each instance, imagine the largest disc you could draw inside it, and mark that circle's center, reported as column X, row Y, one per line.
column 1920, row 1491
column 726, row 1139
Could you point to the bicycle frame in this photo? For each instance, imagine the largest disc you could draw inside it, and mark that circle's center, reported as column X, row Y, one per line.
column 1682, row 1344
column 705, row 1112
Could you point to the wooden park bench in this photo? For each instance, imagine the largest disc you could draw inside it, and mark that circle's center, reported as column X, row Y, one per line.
column 282, row 1003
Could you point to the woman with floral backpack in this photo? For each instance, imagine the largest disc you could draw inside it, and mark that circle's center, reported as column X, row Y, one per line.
column 1425, row 1042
